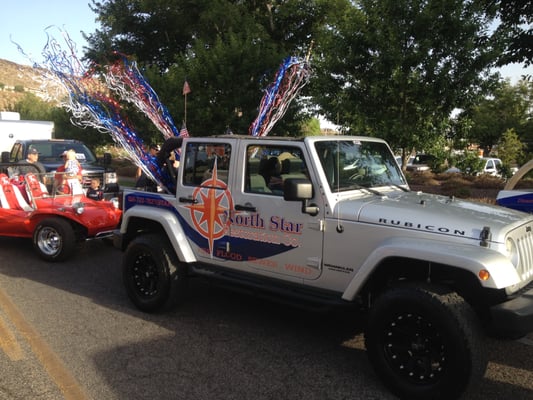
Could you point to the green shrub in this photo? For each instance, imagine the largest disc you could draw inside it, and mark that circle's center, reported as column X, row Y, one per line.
column 469, row 163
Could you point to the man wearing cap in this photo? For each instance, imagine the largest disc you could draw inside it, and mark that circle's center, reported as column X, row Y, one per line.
column 35, row 168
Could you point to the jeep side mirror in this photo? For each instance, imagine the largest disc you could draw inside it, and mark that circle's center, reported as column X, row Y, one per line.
column 298, row 189
column 5, row 156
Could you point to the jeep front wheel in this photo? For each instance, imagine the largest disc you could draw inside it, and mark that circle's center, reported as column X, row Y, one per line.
column 153, row 276
column 425, row 343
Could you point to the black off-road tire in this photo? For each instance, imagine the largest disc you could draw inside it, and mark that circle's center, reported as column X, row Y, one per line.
column 54, row 239
column 154, row 278
column 425, row 343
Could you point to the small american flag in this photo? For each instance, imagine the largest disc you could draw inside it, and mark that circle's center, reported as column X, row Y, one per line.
column 186, row 88
column 184, row 132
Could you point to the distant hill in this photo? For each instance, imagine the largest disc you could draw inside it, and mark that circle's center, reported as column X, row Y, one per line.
column 15, row 80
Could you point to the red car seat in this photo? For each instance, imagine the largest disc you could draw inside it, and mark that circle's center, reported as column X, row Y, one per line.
column 10, row 196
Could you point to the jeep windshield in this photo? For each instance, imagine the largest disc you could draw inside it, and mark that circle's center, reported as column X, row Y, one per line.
column 357, row 164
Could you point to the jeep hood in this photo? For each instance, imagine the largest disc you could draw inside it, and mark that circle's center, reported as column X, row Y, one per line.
column 430, row 213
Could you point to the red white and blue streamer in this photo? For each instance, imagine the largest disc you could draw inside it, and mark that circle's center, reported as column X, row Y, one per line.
column 291, row 77
column 94, row 97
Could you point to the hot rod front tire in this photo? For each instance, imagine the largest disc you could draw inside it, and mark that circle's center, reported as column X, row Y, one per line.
column 54, row 239
column 425, row 343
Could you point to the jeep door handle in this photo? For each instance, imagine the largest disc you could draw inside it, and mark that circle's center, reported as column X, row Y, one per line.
column 247, row 207
column 188, row 200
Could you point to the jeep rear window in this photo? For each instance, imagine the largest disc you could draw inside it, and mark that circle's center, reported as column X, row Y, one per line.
column 200, row 161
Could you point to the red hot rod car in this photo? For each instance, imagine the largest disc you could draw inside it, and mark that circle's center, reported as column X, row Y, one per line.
column 55, row 223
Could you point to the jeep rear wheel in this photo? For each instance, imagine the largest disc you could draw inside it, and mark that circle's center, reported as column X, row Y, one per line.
column 425, row 344
column 153, row 276
column 54, row 239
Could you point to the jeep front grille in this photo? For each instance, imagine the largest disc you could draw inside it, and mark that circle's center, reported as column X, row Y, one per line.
column 523, row 238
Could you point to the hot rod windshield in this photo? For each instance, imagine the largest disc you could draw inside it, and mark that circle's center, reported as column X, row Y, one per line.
column 352, row 164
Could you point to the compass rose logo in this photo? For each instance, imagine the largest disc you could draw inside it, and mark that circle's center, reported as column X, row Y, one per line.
column 211, row 209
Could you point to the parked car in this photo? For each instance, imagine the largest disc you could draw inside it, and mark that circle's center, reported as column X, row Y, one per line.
column 491, row 166
column 399, row 160
column 420, row 163
column 56, row 224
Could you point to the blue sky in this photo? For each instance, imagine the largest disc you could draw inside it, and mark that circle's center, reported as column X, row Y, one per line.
column 27, row 22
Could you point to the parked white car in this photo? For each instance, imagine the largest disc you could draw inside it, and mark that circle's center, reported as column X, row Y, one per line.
column 491, row 166
column 420, row 163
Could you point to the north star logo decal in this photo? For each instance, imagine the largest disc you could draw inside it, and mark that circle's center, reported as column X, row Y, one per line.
column 211, row 208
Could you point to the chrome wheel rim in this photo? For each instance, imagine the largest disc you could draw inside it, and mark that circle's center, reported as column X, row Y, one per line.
column 49, row 241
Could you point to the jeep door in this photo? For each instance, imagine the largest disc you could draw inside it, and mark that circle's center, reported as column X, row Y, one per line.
column 273, row 236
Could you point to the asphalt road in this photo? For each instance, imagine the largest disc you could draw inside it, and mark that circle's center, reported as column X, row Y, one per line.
column 68, row 331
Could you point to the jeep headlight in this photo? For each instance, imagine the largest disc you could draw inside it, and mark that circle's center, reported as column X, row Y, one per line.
column 512, row 252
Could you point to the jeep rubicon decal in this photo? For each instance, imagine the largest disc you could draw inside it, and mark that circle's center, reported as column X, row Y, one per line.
column 414, row 225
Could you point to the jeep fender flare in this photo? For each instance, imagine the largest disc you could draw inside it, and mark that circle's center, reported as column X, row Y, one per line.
column 466, row 257
column 169, row 224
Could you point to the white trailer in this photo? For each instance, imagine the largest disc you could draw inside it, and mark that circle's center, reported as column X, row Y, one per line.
column 12, row 128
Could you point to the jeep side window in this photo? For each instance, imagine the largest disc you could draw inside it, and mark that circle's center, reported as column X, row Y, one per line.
column 206, row 164
column 267, row 167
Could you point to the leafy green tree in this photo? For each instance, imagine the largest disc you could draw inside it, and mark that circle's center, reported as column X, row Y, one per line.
column 311, row 127
column 228, row 51
column 516, row 21
column 509, row 107
column 31, row 107
column 397, row 68
column 510, row 148
column 153, row 31
column 224, row 80
column 469, row 163
column 65, row 129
